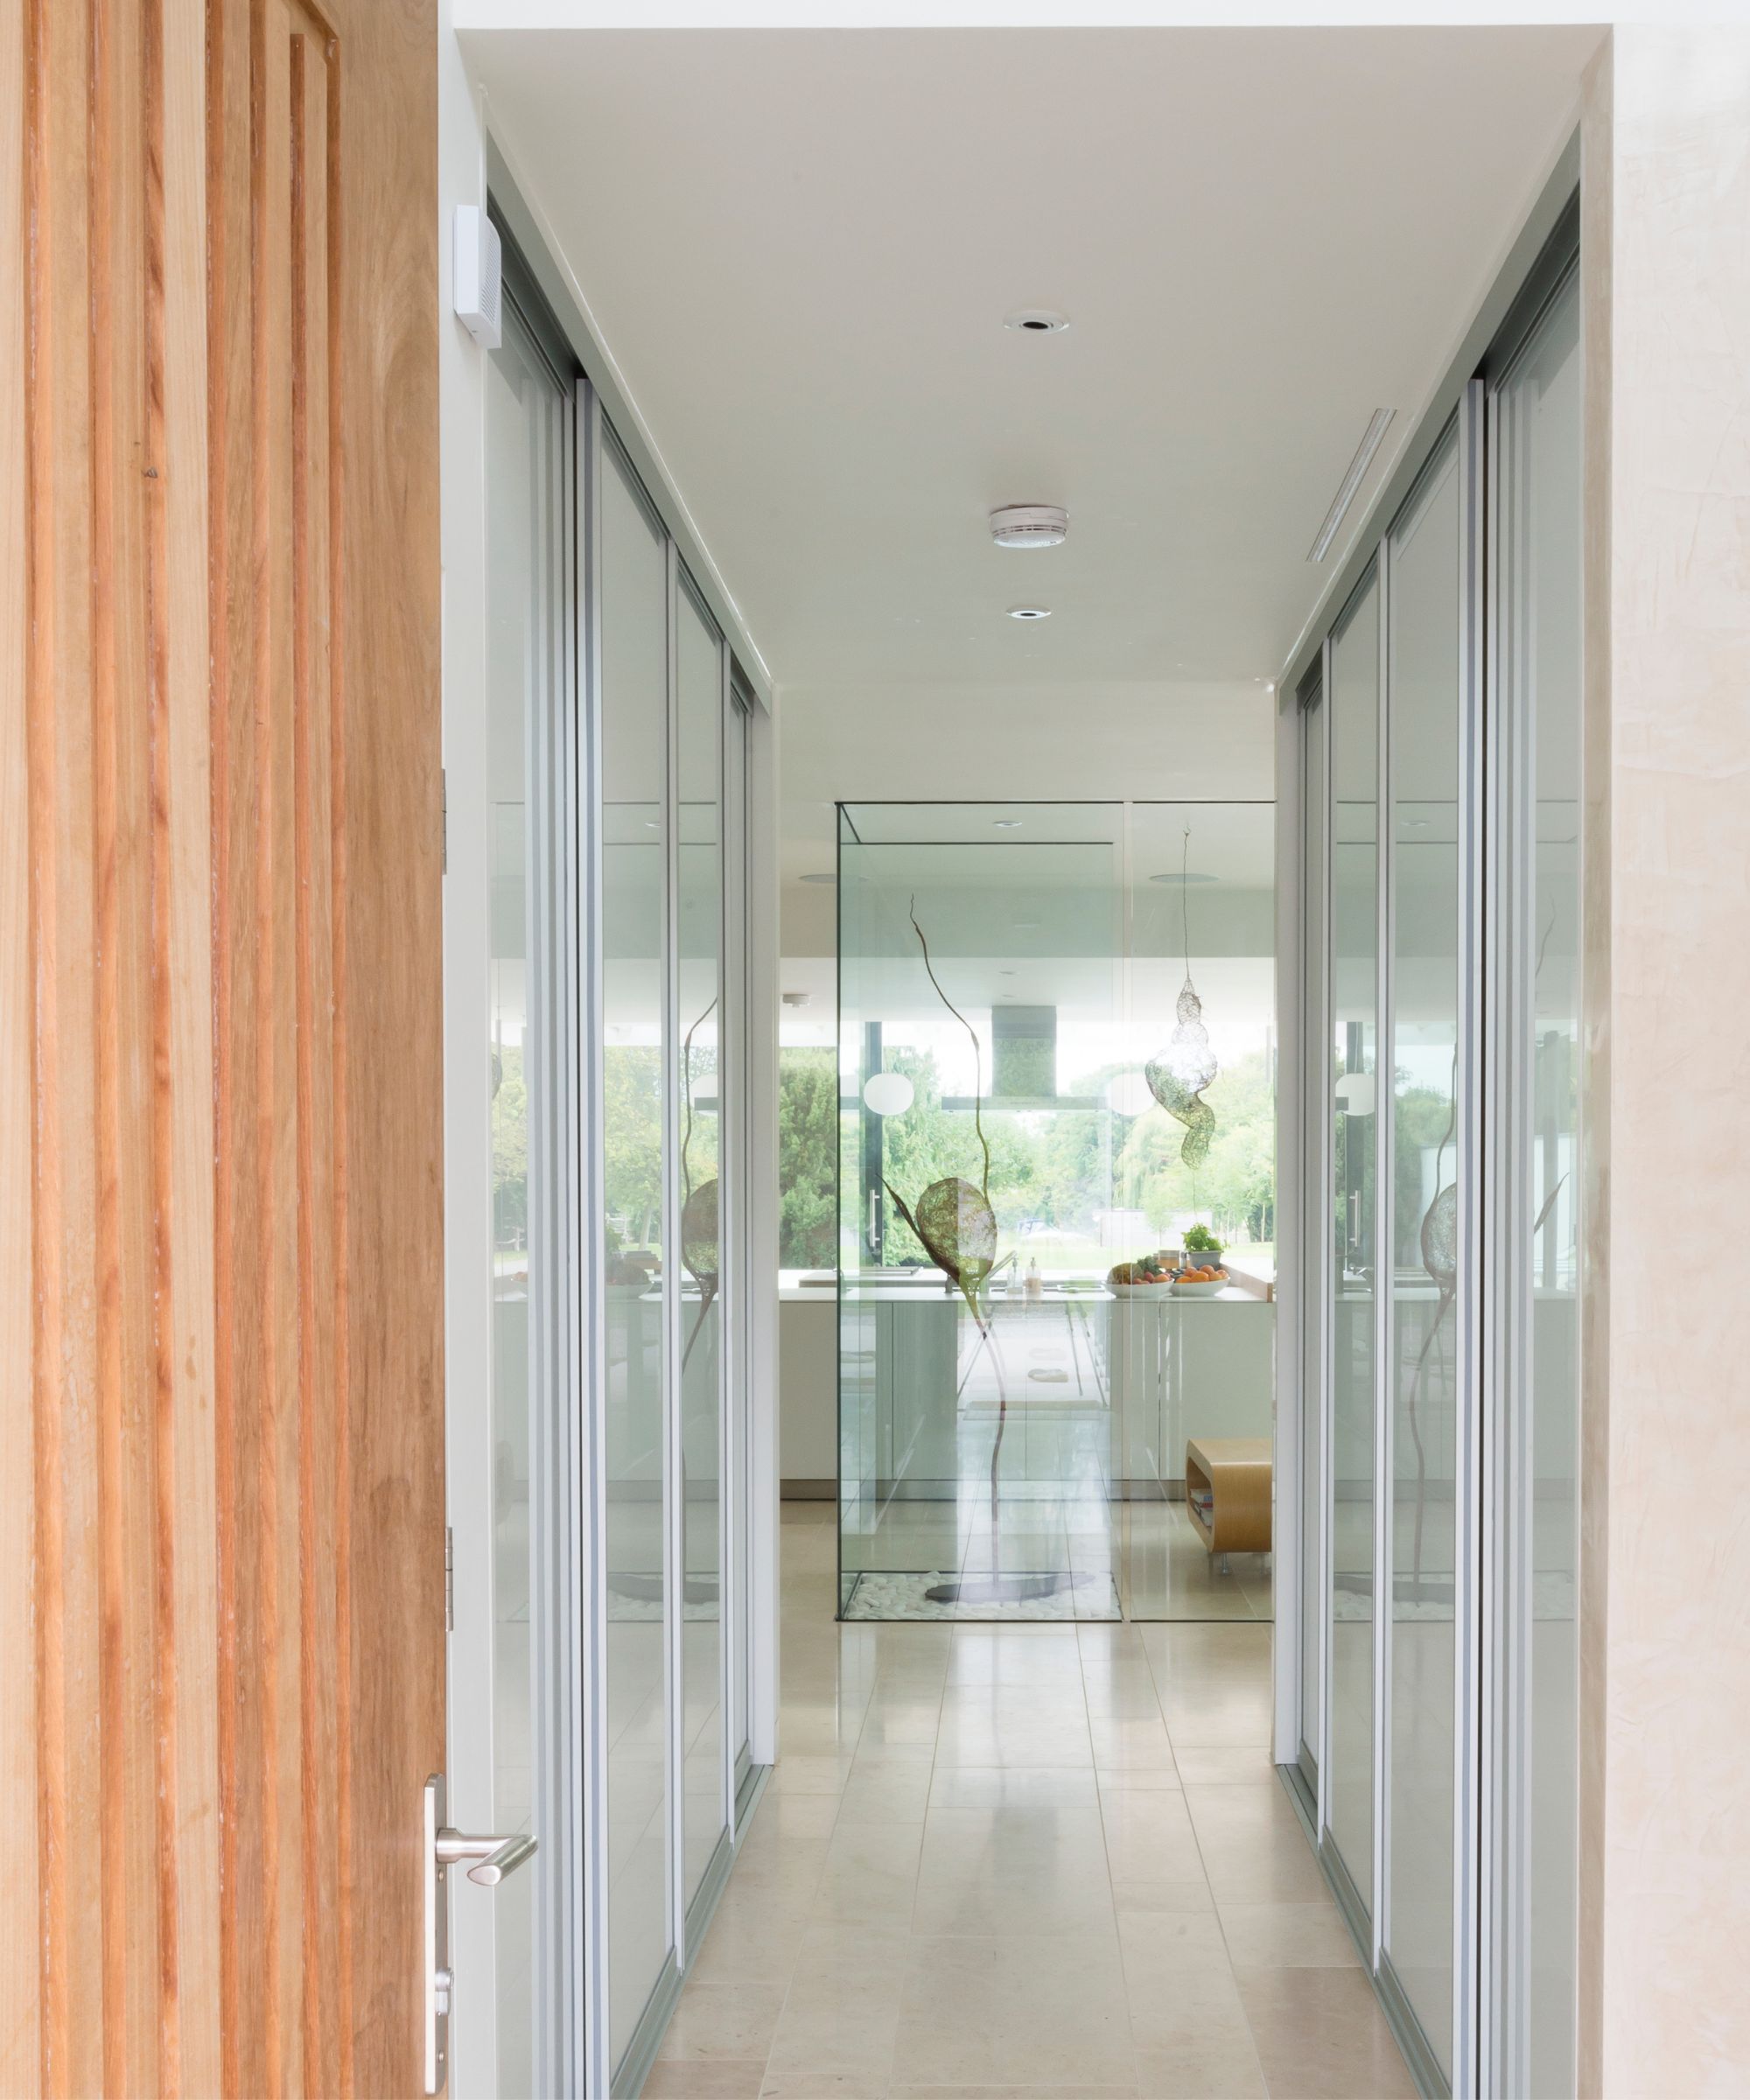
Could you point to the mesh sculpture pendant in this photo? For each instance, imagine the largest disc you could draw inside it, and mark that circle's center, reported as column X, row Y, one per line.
column 1178, row 1075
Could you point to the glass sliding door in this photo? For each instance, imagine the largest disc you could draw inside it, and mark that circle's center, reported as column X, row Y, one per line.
column 1424, row 632
column 1440, row 1270
column 517, row 2035
column 636, row 1044
column 735, row 1294
column 1536, row 434
column 1316, row 1228
column 700, row 682
column 670, row 1052
column 1351, row 1227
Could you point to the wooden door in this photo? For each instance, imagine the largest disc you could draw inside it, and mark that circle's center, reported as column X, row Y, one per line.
column 221, row 1616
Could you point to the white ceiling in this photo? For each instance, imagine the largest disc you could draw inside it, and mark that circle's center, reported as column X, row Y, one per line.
column 799, row 247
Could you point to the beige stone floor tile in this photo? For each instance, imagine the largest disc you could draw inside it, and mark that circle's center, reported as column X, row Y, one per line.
column 1321, row 2035
column 740, row 2081
column 1142, row 1744
column 794, row 1815
column 1216, row 1715
column 1287, row 1936
column 792, row 1775
column 900, row 1724
column 1191, row 1997
column 885, row 1790
column 824, row 2085
column 820, row 1730
column 1208, row 2062
column 1001, row 1654
column 1012, row 1786
column 1163, row 1952
column 1048, row 2012
column 1127, row 2091
column 1130, row 1897
column 1207, row 1765
column 1121, row 1695
column 843, row 2010
column 991, row 1872
column 1156, row 1779
column 989, row 1862
column 1149, row 1836
column 1253, row 1846
column 756, row 1933
column 985, row 1735
column 717, row 2021
column 871, row 1875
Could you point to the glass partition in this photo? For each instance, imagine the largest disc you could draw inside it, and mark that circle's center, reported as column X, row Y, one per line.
column 698, row 735
column 1422, row 637
column 1054, row 1084
column 1538, row 515
column 635, row 1044
column 1352, row 705
column 1442, row 971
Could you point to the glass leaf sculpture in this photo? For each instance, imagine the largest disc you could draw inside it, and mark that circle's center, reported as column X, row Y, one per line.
column 1178, row 1075
column 699, row 1235
column 958, row 1228
column 699, row 1256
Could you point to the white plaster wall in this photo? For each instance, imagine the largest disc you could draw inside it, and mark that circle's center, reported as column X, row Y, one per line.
column 1665, row 1896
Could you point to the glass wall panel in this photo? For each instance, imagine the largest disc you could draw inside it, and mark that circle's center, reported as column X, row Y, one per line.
column 1315, row 1370
column 1352, row 705
column 698, row 1024
column 528, row 463
column 1424, row 616
column 1539, row 607
column 633, row 711
column 1055, row 1069
column 737, row 1094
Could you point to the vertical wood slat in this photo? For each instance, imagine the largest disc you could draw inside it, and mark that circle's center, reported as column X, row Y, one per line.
column 21, row 2003
column 185, row 1281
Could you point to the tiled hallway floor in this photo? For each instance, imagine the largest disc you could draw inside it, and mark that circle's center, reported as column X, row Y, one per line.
column 998, row 1861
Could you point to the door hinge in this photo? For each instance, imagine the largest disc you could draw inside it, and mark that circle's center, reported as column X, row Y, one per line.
column 449, row 1579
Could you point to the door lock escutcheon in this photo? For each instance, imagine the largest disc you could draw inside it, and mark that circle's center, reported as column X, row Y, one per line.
column 493, row 1858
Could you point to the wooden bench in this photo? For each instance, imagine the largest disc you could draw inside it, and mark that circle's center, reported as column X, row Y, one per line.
column 1234, row 1473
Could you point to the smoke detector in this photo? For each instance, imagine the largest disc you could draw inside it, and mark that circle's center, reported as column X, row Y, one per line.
column 797, row 998
column 1030, row 525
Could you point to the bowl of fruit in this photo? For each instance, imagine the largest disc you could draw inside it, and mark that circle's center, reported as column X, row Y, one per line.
column 1150, row 1276
column 1206, row 1282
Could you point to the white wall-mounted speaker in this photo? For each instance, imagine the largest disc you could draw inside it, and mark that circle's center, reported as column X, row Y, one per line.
column 477, row 277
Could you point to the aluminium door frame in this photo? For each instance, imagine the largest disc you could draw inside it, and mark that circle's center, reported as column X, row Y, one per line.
column 592, row 2014
column 1288, row 1662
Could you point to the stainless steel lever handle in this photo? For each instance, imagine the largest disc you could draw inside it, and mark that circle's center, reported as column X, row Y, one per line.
column 493, row 1858
column 497, row 1856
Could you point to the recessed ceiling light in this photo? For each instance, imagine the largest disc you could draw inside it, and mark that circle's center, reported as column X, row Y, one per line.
column 1036, row 320
column 817, row 878
column 1030, row 525
column 1005, row 973
column 1006, row 824
column 1175, row 878
column 1029, row 611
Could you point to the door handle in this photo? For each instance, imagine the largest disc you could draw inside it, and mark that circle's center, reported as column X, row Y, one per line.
column 497, row 1856
column 493, row 1858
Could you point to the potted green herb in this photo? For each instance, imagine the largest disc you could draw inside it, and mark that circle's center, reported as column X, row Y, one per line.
column 1201, row 1246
